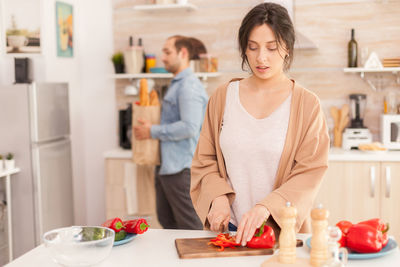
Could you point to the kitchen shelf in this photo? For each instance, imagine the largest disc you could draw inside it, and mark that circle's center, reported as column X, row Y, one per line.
column 362, row 71
column 166, row 7
column 201, row 75
column 9, row 172
column 7, row 176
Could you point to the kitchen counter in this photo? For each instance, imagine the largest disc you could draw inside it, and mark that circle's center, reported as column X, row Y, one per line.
column 335, row 154
column 156, row 247
column 118, row 153
column 338, row 154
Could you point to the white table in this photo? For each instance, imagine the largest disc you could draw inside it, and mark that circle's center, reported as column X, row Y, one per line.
column 156, row 247
column 7, row 175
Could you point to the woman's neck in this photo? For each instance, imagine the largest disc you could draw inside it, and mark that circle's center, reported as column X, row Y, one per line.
column 272, row 84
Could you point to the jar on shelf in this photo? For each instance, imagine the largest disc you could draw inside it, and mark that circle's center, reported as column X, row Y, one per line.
column 150, row 62
column 204, row 62
column 214, row 64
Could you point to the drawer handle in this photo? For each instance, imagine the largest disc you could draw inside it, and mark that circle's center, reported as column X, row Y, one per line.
column 372, row 184
column 388, row 182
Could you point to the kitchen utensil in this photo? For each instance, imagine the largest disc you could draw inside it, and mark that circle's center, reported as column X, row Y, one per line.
column 335, row 113
column 342, row 121
column 79, row 245
column 191, row 248
column 344, row 113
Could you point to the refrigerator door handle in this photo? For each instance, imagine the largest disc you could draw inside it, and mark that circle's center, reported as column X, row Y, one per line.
column 38, row 193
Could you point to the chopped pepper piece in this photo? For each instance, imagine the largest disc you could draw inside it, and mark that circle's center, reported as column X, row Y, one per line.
column 224, row 241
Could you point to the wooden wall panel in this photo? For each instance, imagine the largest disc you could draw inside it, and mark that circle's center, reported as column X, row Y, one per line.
column 326, row 22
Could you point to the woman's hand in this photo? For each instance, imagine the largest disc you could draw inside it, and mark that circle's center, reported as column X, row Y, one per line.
column 251, row 220
column 220, row 213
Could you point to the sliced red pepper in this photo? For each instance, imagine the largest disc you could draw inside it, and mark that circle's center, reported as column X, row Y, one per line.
column 344, row 226
column 115, row 224
column 364, row 238
column 224, row 241
column 264, row 237
column 138, row 226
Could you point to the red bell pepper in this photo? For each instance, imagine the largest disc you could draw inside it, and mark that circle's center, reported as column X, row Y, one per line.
column 364, row 238
column 378, row 224
column 344, row 226
column 264, row 237
column 115, row 224
column 138, row 226
column 224, row 241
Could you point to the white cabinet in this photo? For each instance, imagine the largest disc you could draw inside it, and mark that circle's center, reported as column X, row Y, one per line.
column 390, row 196
column 130, row 191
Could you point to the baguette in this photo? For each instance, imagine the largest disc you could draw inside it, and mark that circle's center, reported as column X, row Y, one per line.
column 154, row 98
column 144, row 93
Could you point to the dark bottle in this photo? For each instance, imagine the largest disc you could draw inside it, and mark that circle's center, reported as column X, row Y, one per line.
column 144, row 55
column 352, row 51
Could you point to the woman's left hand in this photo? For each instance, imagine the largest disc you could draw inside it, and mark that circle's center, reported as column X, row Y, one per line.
column 251, row 220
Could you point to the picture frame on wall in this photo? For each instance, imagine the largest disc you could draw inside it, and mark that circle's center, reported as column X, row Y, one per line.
column 65, row 29
column 21, row 26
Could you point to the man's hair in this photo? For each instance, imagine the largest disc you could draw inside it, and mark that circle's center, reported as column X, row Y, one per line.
column 198, row 48
column 183, row 41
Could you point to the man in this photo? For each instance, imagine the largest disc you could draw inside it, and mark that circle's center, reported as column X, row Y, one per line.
column 181, row 118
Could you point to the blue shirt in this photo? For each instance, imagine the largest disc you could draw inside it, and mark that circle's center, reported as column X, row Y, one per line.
column 182, row 115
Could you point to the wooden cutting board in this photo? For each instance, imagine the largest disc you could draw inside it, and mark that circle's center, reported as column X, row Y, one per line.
column 191, row 248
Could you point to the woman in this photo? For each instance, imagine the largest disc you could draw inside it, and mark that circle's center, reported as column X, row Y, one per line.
column 264, row 140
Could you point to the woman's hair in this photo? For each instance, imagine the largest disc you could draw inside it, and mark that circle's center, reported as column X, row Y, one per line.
column 276, row 17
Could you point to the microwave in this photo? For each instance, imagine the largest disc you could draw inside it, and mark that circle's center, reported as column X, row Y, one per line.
column 390, row 131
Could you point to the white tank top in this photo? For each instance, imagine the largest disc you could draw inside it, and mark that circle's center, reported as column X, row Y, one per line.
column 252, row 150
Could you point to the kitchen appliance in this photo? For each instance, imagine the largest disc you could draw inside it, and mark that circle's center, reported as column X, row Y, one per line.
column 22, row 70
column 357, row 133
column 125, row 127
column 390, row 131
column 34, row 121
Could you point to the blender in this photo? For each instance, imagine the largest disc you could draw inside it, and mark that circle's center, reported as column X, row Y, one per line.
column 357, row 133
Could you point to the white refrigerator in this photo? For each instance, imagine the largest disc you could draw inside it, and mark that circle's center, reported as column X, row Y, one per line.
column 34, row 125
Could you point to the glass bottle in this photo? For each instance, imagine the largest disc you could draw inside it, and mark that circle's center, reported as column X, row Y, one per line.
column 352, row 51
column 334, row 235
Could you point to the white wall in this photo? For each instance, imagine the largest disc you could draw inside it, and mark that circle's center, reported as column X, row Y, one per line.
column 92, row 95
column 98, row 92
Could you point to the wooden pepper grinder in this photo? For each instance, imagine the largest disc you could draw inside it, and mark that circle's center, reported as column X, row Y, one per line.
column 287, row 237
column 319, row 242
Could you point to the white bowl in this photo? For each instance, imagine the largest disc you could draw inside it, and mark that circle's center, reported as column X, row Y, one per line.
column 79, row 245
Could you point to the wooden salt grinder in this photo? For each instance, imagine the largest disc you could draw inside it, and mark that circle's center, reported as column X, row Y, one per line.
column 319, row 242
column 287, row 237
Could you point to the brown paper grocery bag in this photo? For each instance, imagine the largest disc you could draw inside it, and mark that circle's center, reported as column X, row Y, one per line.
column 145, row 152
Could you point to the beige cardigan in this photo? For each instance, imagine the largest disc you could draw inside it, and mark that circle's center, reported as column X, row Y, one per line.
column 303, row 162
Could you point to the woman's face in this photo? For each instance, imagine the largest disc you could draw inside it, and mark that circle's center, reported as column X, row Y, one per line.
column 264, row 54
